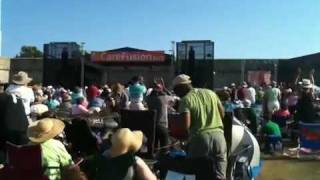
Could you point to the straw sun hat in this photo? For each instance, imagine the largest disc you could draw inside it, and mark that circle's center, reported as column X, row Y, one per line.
column 44, row 129
column 21, row 78
column 124, row 140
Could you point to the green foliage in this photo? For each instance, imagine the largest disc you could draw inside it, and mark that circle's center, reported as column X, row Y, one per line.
column 29, row 51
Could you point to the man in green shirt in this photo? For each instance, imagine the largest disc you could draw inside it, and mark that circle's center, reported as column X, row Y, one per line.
column 272, row 129
column 272, row 132
column 202, row 112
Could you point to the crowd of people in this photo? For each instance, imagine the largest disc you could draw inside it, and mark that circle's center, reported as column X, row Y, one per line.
column 270, row 111
column 40, row 104
column 28, row 116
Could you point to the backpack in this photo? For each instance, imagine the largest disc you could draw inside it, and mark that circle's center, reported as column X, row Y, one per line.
column 13, row 120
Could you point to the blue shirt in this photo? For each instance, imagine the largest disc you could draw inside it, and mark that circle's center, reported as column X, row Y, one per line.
column 136, row 92
column 97, row 102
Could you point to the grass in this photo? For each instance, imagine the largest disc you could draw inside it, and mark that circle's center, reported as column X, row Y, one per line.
column 286, row 169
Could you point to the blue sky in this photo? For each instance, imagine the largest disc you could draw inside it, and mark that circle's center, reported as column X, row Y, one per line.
column 239, row 28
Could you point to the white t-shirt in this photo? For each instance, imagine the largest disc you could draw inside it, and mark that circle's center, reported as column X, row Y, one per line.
column 252, row 95
column 25, row 93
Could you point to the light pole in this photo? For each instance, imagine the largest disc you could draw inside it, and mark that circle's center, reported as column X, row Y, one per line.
column 275, row 69
column 173, row 52
column 82, row 64
column 213, row 66
column 243, row 69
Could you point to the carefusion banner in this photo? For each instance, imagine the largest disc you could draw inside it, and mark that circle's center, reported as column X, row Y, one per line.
column 125, row 57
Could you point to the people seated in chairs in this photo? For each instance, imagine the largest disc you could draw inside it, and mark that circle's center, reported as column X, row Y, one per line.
column 307, row 108
column 159, row 101
column 54, row 153
column 202, row 112
column 80, row 107
column 120, row 162
column 273, row 138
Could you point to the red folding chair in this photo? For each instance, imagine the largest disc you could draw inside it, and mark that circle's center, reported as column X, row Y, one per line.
column 23, row 162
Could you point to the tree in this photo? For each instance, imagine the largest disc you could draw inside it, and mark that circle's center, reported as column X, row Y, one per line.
column 29, row 51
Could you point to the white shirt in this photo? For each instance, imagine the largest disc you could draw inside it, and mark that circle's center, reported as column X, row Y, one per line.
column 25, row 93
column 252, row 95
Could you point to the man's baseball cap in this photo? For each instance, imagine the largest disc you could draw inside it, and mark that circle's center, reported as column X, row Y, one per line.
column 181, row 79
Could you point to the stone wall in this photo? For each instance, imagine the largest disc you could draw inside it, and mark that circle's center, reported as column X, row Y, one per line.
column 4, row 70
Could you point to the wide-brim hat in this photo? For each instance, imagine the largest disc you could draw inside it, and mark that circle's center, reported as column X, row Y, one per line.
column 44, row 129
column 21, row 78
column 124, row 140
column 306, row 83
column 181, row 79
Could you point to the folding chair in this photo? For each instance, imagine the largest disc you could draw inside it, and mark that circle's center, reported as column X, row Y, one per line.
column 309, row 136
column 175, row 127
column 23, row 162
column 81, row 137
column 144, row 121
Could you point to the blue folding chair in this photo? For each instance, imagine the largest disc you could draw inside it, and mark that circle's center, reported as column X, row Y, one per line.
column 309, row 135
